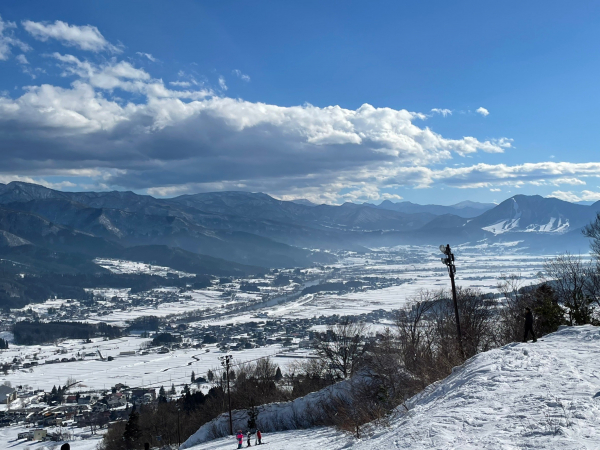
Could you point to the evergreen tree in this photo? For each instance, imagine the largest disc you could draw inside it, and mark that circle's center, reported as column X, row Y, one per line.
column 278, row 375
column 193, row 376
column 210, row 375
column 132, row 432
column 173, row 391
column 186, row 390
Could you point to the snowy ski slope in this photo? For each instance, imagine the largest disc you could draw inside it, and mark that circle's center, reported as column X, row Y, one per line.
column 522, row 396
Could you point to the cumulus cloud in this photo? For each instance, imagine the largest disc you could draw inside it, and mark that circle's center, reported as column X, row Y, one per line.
column 86, row 37
column 184, row 141
column 481, row 110
column 238, row 73
column 7, row 40
column 126, row 129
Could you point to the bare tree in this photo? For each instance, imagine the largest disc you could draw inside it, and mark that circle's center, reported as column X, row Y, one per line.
column 342, row 347
column 416, row 337
column 571, row 279
column 592, row 231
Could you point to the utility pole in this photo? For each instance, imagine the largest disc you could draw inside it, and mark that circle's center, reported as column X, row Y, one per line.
column 225, row 362
column 448, row 260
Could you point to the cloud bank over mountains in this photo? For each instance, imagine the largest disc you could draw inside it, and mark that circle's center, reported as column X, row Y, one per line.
column 118, row 126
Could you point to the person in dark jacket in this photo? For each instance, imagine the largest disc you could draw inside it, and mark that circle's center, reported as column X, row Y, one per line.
column 529, row 325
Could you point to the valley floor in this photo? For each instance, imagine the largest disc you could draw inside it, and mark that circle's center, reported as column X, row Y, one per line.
column 543, row 395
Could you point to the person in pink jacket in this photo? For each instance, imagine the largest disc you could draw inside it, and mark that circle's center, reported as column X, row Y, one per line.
column 240, row 438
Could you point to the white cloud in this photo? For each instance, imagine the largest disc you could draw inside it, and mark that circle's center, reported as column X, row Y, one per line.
column 22, row 59
column 583, row 196
column 188, row 140
column 486, row 175
column 222, row 83
column 241, row 75
column 443, row 112
column 115, row 74
column 86, row 37
column 180, row 83
column 7, row 40
column 481, row 110
column 5, row 179
column 148, row 55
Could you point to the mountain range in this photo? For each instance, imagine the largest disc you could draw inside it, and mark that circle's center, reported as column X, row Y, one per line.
column 240, row 232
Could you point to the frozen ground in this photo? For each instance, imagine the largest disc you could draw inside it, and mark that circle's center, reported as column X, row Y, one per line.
column 522, row 396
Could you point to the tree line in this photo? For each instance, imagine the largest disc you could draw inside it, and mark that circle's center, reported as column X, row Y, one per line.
column 35, row 332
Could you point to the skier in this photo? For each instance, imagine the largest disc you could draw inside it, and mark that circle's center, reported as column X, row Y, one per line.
column 258, row 437
column 240, row 438
column 249, row 437
column 529, row 325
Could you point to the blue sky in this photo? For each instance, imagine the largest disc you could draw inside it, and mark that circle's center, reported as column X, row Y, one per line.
column 432, row 102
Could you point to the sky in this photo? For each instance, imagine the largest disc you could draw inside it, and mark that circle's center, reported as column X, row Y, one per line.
column 429, row 102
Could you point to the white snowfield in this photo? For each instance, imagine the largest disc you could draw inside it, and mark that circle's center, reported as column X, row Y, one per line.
column 543, row 395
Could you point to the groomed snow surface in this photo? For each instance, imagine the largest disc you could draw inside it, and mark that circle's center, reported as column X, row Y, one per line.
column 543, row 395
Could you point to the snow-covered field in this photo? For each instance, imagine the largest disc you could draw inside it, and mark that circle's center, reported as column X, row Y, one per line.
column 149, row 370
column 522, row 396
column 475, row 269
column 121, row 266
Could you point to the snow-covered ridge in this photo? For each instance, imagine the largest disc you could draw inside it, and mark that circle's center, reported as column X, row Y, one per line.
column 554, row 225
column 513, row 223
column 502, row 226
column 544, row 396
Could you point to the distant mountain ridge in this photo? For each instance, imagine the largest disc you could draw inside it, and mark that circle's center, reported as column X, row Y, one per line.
column 256, row 230
column 466, row 208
